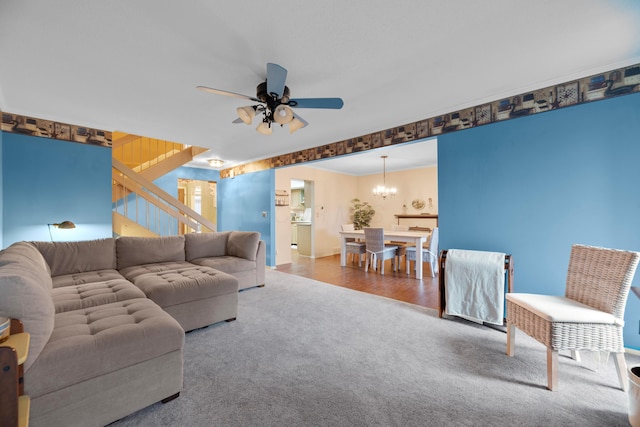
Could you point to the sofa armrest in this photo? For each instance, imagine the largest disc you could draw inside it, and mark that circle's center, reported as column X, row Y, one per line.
column 261, row 263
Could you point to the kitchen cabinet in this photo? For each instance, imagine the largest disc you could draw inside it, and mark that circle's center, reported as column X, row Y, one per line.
column 304, row 239
column 294, row 234
column 297, row 198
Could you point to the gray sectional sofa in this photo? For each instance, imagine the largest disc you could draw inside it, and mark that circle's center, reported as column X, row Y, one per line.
column 107, row 317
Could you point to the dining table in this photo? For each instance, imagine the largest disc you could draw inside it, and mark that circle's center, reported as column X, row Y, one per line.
column 418, row 238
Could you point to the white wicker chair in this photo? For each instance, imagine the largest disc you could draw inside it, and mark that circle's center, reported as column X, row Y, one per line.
column 428, row 255
column 377, row 250
column 589, row 317
column 354, row 247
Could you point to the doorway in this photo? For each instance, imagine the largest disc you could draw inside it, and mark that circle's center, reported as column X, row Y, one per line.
column 301, row 211
column 201, row 196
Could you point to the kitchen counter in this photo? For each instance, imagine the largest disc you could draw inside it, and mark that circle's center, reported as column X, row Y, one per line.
column 301, row 222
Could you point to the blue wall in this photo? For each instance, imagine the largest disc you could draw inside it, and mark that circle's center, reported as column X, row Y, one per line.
column 534, row 186
column 245, row 198
column 47, row 181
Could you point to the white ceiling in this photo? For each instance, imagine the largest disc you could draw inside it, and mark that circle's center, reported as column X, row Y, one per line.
column 133, row 66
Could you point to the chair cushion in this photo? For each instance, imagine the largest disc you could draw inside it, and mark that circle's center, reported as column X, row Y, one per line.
column 555, row 308
column 356, row 248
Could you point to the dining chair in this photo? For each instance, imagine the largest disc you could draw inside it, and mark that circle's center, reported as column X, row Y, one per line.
column 402, row 246
column 429, row 254
column 377, row 250
column 590, row 315
column 354, row 247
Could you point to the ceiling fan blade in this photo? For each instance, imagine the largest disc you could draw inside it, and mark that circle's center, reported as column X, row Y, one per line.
column 227, row 93
column 238, row 120
column 276, row 76
column 333, row 103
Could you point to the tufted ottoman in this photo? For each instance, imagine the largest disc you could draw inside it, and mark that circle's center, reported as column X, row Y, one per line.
column 94, row 353
column 196, row 296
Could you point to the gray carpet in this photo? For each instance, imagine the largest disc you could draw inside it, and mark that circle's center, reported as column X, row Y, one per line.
column 305, row 353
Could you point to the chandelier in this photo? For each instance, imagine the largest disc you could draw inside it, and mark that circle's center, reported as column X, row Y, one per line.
column 382, row 190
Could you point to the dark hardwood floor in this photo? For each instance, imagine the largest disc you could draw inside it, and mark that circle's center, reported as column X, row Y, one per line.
column 396, row 285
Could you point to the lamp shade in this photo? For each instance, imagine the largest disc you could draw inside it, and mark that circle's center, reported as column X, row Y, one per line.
column 283, row 114
column 264, row 128
column 296, row 124
column 65, row 224
column 246, row 114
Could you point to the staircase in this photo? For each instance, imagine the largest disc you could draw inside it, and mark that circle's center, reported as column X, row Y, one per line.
column 141, row 208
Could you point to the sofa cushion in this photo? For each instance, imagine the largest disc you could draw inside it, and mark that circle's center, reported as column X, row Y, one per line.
column 201, row 245
column 85, row 277
column 94, row 341
column 78, row 257
column 130, row 273
column 186, row 284
column 25, row 287
column 227, row 264
column 148, row 250
column 70, row 298
column 243, row 244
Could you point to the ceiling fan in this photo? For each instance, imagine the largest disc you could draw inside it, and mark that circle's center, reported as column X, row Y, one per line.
column 274, row 102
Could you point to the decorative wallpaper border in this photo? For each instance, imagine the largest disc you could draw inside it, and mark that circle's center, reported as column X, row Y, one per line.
column 596, row 87
column 32, row 126
column 600, row 86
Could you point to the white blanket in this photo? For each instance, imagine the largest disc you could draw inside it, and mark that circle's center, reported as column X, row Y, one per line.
column 474, row 285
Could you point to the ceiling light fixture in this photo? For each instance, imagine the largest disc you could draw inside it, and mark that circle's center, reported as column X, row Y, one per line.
column 215, row 163
column 276, row 110
column 265, row 127
column 382, row 190
column 246, row 114
column 273, row 112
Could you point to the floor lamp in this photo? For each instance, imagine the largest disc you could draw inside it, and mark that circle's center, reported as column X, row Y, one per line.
column 63, row 224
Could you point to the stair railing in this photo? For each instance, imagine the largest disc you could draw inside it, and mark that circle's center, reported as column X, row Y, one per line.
column 151, row 207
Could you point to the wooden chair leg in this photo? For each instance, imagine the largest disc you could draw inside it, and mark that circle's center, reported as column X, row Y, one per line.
column 621, row 367
column 552, row 369
column 511, row 339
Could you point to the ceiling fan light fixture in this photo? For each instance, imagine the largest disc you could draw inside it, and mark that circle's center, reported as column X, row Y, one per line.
column 282, row 114
column 264, row 128
column 296, row 124
column 246, row 114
